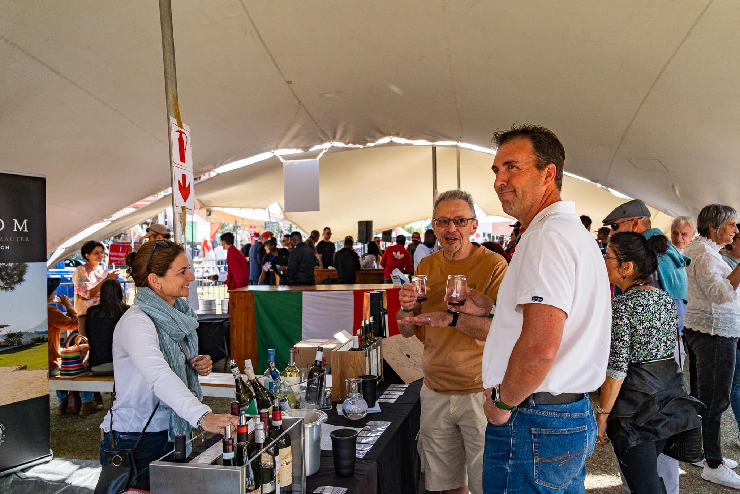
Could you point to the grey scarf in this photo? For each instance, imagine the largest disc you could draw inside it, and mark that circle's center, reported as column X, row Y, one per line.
column 174, row 324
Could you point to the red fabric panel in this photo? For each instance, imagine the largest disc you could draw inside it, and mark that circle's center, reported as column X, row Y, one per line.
column 392, row 304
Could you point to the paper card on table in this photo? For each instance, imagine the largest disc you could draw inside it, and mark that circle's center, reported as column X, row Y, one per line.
column 387, row 400
column 326, row 430
column 328, row 489
column 393, row 393
column 404, row 356
column 376, row 424
column 393, row 386
column 364, row 447
column 367, row 440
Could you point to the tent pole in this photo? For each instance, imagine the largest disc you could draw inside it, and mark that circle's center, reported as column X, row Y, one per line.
column 170, row 89
column 457, row 149
column 434, row 174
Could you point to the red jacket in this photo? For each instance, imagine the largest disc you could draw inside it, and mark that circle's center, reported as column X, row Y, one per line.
column 396, row 256
column 238, row 275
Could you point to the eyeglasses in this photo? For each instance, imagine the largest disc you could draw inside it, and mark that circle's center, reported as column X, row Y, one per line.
column 158, row 243
column 615, row 226
column 606, row 257
column 444, row 222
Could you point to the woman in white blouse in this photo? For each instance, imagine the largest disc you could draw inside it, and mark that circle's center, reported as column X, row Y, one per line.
column 712, row 329
column 156, row 363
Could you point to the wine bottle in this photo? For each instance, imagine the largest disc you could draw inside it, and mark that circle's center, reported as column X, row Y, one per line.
column 228, row 447
column 285, row 453
column 244, row 392
column 241, row 440
column 262, row 397
column 316, row 375
column 291, row 374
column 266, row 462
column 267, row 376
column 275, row 448
column 180, row 449
column 285, row 397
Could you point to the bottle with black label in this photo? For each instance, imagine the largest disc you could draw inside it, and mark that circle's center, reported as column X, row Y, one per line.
column 180, row 449
column 316, row 375
column 242, row 453
column 264, row 404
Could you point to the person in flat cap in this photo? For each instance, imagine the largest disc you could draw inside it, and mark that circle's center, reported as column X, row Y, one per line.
column 157, row 231
column 634, row 216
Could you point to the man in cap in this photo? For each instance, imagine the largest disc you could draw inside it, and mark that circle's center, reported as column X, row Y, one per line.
column 634, row 216
column 158, row 231
column 256, row 255
column 415, row 241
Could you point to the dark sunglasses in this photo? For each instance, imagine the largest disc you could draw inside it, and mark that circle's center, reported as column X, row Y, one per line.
column 615, row 226
column 158, row 243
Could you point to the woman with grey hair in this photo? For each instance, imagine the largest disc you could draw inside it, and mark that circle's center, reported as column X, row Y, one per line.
column 682, row 231
column 712, row 329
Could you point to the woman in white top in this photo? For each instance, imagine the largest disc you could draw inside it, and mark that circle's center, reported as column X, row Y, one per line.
column 88, row 279
column 372, row 257
column 156, row 363
column 712, row 329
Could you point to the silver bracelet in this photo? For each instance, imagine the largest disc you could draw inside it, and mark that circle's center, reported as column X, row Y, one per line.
column 200, row 420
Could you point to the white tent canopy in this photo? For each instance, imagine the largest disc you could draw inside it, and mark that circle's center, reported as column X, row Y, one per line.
column 639, row 91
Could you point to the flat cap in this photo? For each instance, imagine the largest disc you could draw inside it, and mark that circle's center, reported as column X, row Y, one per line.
column 632, row 209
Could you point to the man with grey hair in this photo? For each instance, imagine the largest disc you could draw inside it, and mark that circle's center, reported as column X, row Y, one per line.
column 453, row 425
column 682, row 231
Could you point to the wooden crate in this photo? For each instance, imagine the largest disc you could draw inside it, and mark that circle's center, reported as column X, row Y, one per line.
column 347, row 364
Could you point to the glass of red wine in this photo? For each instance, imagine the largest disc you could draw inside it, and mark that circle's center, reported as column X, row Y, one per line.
column 420, row 283
column 457, row 285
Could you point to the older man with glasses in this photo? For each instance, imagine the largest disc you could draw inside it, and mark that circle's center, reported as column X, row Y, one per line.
column 453, row 424
column 634, row 216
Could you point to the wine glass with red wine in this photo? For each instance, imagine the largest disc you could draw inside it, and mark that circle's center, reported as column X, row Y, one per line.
column 422, row 291
column 457, row 285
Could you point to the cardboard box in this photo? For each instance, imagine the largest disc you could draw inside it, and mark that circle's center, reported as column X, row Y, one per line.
column 305, row 351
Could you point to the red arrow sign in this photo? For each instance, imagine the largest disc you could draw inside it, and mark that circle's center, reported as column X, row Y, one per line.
column 184, row 187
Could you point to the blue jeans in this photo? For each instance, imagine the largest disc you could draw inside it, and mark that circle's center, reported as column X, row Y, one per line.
column 152, row 447
column 541, row 448
column 735, row 392
column 85, row 396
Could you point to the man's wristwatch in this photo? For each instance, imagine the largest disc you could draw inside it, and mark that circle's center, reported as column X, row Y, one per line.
column 455, row 316
column 496, row 399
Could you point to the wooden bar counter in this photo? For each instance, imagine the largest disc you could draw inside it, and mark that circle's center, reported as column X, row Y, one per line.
column 278, row 317
column 364, row 276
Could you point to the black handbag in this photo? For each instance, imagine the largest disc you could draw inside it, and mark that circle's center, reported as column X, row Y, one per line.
column 686, row 446
column 119, row 471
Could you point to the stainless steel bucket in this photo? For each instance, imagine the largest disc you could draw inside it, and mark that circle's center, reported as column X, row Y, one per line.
column 207, row 305
column 312, row 420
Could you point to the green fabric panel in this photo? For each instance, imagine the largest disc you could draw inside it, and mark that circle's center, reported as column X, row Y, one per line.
column 273, row 310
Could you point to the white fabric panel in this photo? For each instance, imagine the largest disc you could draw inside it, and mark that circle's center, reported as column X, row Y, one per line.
column 301, row 186
column 327, row 313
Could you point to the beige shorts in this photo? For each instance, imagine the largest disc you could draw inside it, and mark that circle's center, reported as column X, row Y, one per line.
column 451, row 440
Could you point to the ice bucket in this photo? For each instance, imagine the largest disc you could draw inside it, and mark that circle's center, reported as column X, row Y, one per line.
column 312, row 420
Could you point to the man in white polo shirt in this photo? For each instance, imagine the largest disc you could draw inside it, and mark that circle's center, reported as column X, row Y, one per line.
column 548, row 345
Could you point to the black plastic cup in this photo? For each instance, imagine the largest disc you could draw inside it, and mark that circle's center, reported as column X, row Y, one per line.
column 369, row 389
column 343, row 446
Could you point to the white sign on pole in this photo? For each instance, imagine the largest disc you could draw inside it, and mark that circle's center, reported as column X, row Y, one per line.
column 182, row 150
column 301, row 185
column 182, row 166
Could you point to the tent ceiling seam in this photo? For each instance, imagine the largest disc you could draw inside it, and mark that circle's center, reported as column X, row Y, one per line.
column 277, row 67
column 449, row 68
column 78, row 86
column 652, row 86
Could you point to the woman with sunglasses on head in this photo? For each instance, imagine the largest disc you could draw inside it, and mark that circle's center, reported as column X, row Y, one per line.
column 156, row 362
column 642, row 402
column 88, row 279
column 712, row 331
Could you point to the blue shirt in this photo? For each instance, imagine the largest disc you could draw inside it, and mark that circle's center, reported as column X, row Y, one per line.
column 256, row 253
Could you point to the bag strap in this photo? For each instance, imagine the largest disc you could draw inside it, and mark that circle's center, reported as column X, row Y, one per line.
column 110, row 410
column 76, row 337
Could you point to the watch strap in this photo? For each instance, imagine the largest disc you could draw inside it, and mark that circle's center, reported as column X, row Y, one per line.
column 455, row 317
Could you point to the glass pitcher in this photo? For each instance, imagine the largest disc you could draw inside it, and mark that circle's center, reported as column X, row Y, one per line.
column 354, row 406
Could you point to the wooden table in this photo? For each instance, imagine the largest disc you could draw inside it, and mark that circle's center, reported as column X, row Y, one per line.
column 216, row 384
column 364, row 276
column 243, row 318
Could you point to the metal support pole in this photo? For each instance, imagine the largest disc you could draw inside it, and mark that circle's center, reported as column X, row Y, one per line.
column 170, row 89
column 458, row 166
column 434, row 174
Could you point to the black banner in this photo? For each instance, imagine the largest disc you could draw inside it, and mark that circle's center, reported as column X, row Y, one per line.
column 22, row 218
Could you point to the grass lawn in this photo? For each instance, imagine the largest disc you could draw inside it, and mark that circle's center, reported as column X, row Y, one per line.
column 35, row 356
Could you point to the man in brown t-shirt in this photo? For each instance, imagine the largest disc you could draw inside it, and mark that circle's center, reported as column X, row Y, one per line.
column 453, row 425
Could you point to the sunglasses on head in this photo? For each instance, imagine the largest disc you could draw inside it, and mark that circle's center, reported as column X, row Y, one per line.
column 158, row 243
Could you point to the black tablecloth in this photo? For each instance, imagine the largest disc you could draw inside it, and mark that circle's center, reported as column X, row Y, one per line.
column 213, row 335
column 395, row 451
column 365, row 478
